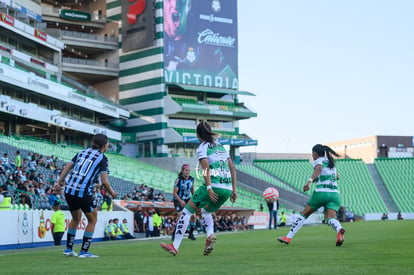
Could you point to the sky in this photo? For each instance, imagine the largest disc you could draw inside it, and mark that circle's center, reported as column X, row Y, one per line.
column 325, row 71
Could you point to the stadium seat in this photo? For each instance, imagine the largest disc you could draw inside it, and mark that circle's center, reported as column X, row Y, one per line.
column 397, row 175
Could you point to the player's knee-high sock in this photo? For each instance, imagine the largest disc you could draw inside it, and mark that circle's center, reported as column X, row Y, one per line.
column 87, row 239
column 296, row 226
column 335, row 224
column 208, row 222
column 70, row 240
column 191, row 230
column 173, row 235
column 181, row 227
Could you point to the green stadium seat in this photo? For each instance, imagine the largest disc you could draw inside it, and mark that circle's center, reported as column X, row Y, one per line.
column 398, row 176
column 355, row 184
column 125, row 173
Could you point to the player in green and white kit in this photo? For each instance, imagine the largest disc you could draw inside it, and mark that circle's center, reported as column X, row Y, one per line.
column 219, row 175
column 325, row 194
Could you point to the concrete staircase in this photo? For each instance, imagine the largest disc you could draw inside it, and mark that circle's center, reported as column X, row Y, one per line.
column 385, row 195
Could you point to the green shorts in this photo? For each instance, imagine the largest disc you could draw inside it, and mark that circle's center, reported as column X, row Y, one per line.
column 202, row 200
column 330, row 200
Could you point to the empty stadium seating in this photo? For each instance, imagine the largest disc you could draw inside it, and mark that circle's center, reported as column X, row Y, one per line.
column 185, row 100
column 260, row 174
column 293, row 172
column 358, row 191
column 398, row 176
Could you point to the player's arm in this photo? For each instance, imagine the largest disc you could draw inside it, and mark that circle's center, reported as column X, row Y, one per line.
column 206, row 174
column 192, row 189
column 107, row 185
column 175, row 190
column 175, row 194
column 63, row 174
column 316, row 172
column 232, row 168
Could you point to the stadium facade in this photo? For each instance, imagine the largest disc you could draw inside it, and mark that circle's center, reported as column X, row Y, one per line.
column 75, row 68
column 372, row 147
column 42, row 92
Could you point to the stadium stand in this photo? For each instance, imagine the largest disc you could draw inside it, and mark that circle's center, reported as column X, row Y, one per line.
column 260, row 174
column 292, row 172
column 185, row 100
column 64, row 153
column 358, row 191
column 248, row 199
column 398, row 176
column 221, row 103
column 223, row 134
column 126, row 173
column 65, row 80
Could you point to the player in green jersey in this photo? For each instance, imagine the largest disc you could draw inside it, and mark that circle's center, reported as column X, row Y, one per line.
column 219, row 176
column 325, row 194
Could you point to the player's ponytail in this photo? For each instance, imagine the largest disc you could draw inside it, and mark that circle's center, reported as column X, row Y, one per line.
column 204, row 132
column 323, row 150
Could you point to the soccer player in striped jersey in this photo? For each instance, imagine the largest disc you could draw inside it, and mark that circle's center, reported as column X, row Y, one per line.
column 219, row 176
column 182, row 192
column 86, row 167
column 325, row 194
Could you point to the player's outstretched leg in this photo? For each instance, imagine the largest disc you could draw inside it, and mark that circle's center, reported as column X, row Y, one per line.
column 169, row 248
column 284, row 240
column 210, row 242
column 340, row 237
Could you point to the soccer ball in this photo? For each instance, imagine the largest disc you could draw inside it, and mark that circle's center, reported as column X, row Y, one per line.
column 271, row 194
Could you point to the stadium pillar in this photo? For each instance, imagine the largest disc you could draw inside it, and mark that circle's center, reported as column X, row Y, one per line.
column 162, row 150
column 9, row 127
column 235, row 154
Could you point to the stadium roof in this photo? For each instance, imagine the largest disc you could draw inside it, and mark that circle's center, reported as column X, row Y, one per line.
column 211, row 89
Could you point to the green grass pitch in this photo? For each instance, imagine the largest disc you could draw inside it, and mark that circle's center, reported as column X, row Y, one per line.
column 378, row 247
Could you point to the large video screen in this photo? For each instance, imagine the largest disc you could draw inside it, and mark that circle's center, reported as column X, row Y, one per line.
column 200, row 42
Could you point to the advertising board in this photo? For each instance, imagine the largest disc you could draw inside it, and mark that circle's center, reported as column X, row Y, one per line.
column 200, row 43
